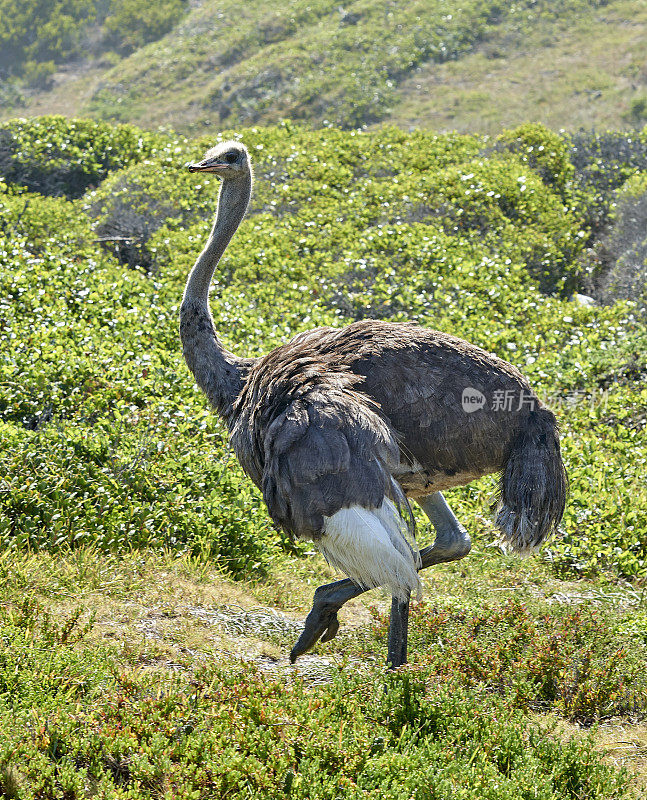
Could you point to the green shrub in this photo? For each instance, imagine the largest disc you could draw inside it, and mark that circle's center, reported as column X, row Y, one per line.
column 570, row 661
column 544, row 151
column 637, row 112
column 603, row 162
column 40, row 223
column 131, row 24
column 634, row 188
column 58, row 156
column 134, row 203
column 107, row 498
column 39, row 73
column 35, row 34
column 618, row 262
column 10, row 95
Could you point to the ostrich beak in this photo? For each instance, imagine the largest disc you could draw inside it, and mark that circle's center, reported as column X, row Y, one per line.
column 206, row 166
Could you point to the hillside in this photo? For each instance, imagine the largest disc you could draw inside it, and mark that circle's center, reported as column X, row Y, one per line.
column 147, row 604
column 480, row 66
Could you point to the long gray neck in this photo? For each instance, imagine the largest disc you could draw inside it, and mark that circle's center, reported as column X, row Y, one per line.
column 219, row 373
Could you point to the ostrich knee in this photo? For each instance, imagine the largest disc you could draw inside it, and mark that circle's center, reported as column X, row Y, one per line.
column 452, row 539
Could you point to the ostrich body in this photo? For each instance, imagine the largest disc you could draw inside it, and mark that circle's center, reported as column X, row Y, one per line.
column 340, row 427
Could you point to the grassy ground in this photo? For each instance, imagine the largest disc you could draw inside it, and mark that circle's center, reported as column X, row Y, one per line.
column 145, row 621
column 581, row 71
column 565, row 65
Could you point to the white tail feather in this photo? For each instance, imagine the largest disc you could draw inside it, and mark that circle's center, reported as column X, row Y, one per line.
column 370, row 546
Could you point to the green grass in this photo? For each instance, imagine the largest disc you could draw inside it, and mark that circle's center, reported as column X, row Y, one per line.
column 572, row 71
column 479, row 66
column 111, row 686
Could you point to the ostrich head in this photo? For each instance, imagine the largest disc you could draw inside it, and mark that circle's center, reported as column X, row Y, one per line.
column 227, row 159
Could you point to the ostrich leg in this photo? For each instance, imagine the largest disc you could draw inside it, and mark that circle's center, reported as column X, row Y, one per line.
column 452, row 542
column 398, row 632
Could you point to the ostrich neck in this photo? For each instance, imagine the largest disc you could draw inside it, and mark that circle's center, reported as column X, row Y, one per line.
column 218, row 372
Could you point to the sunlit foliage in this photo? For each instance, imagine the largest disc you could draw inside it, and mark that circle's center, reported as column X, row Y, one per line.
column 110, row 442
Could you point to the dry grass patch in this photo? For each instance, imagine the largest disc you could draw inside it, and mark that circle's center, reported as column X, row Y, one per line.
column 578, row 73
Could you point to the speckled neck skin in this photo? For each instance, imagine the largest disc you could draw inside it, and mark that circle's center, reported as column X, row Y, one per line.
column 218, row 372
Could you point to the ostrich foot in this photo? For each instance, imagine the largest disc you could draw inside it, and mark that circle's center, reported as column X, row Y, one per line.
column 321, row 624
column 452, row 542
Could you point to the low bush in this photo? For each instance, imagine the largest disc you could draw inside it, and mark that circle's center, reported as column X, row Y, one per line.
column 34, row 35
column 637, row 112
column 37, row 223
column 54, row 155
column 132, row 204
column 39, row 74
column 569, row 661
column 199, row 503
column 74, row 717
column 542, row 150
column 131, row 24
column 603, row 162
column 618, row 262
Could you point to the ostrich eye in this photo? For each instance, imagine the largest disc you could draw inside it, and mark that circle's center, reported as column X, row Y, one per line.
column 231, row 157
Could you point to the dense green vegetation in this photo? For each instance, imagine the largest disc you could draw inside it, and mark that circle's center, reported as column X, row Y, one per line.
column 577, row 663
column 483, row 239
column 55, row 157
column 82, row 716
column 131, row 24
column 108, row 450
column 36, row 36
column 242, row 735
column 358, row 56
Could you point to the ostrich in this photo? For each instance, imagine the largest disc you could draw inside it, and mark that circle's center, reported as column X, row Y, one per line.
column 341, row 428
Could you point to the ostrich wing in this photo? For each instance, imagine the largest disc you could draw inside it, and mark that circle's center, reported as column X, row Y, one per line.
column 324, row 453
